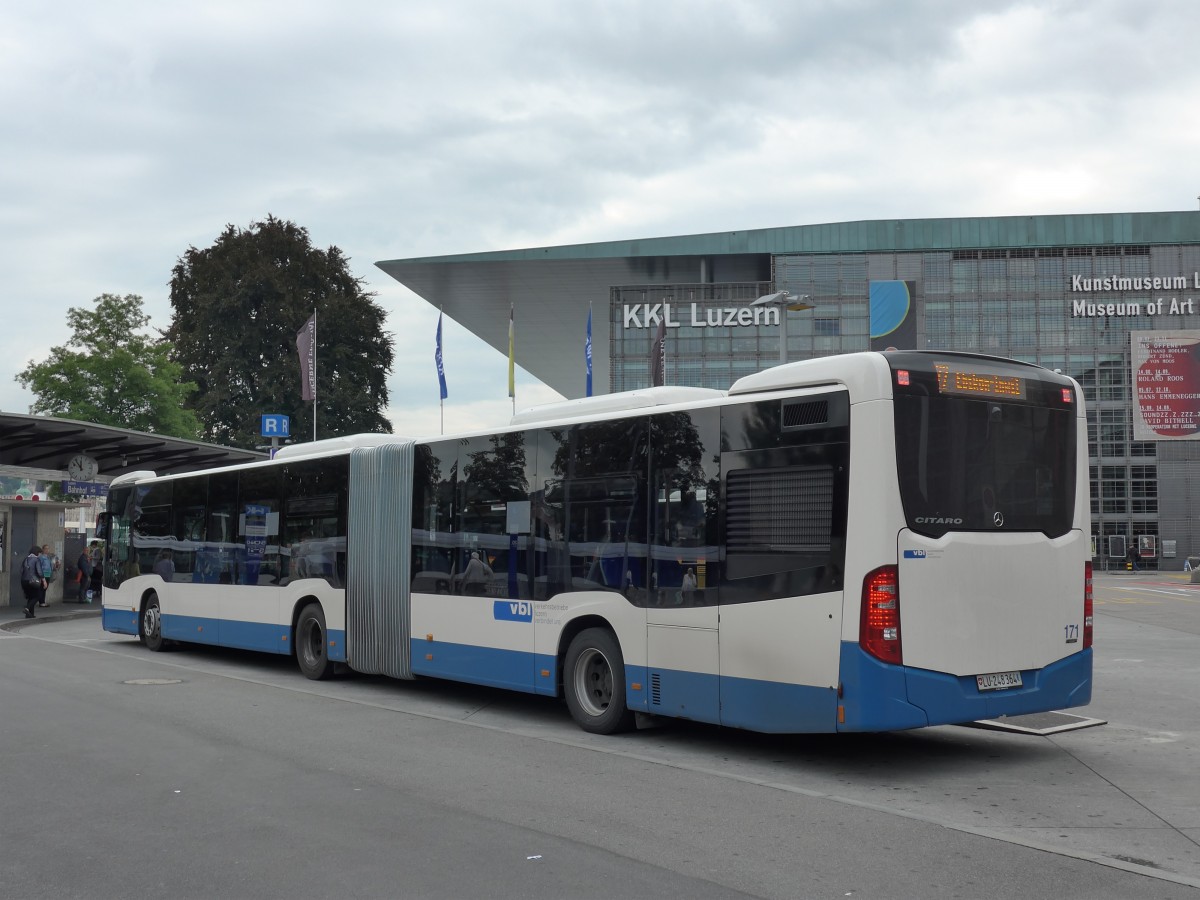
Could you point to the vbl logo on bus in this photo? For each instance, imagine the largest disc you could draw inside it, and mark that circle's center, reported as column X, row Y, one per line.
column 513, row 610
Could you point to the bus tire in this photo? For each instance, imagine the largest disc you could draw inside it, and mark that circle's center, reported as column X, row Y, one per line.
column 311, row 643
column 594, row 683
column 150, row 625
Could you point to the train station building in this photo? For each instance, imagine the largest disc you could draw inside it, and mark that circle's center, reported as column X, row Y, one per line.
column 1101, row 297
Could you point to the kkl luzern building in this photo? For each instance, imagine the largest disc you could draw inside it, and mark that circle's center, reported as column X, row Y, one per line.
column 1111, row 299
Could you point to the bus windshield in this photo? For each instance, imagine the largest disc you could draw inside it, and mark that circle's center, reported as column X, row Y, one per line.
column 992, row 449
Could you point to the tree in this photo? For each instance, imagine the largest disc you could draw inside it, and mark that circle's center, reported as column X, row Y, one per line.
column 112, row 373
column 238, row 305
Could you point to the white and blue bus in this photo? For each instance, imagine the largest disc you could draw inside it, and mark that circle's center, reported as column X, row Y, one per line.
column 866, row 542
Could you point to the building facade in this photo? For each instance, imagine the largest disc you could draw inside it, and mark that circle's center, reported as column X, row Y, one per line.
column 1073, row 293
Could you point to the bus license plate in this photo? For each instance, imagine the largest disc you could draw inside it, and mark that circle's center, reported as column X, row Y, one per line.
column 998, row 681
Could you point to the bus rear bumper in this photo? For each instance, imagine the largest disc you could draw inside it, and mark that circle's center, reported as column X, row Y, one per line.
column 882, row 697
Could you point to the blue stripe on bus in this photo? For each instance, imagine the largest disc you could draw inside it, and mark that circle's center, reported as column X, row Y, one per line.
column 119, row 621
column 223, row 632
column 677, row 693
column 776, row 708
column 882, row 697
column 511, row 669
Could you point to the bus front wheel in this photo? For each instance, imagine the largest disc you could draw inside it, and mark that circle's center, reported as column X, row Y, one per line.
column 311, row 647
column 594, row 683
column 150, row 628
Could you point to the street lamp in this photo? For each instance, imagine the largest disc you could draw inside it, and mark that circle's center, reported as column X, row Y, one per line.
column 785, row 300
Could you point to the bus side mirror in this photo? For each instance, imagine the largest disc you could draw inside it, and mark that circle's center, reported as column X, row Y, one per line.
column 102, row 526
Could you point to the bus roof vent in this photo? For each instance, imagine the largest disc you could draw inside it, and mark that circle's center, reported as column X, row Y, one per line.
column 583, row 408
column 802, row 413
column 336, row 445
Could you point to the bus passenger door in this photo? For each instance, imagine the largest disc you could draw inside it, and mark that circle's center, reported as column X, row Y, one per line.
column 250, row 615
column 682, row 651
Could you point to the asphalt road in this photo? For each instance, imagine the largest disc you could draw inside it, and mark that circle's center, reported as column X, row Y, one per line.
column 205, row 773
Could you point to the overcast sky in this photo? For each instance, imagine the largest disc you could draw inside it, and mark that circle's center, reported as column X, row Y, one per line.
column 132, row 131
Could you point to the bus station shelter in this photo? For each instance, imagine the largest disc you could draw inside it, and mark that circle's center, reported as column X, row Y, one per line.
column 43, row 446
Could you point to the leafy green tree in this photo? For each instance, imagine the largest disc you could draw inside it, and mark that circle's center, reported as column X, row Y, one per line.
column 238, row 305
column 111, row 372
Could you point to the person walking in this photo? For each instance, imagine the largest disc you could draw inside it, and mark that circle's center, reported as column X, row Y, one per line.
column 476, row 576
column 97, row 582
column 84, row 565
column 688, row 587
column 32, row 582
column 50, row 565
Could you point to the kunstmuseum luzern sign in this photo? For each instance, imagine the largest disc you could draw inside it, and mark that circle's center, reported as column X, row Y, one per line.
column 1160, row 306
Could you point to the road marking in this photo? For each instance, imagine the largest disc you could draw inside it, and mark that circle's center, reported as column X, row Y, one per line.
column 646, row 755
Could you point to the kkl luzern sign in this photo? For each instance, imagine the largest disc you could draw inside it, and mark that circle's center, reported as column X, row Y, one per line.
column 648, row 315
column 1160, row 307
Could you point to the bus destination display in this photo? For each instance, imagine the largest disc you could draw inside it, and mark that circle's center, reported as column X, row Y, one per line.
column 966, row 382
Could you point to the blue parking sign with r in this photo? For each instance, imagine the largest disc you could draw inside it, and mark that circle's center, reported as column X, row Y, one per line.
column 274, row 425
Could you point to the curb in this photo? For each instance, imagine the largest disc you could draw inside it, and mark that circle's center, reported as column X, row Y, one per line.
column 19, row 624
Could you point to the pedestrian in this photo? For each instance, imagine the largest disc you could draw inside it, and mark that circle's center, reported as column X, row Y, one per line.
column 32, row 582
column 164, row 567
column 476, row 576
column 97, row 581
column 1133, row 558
column 688, row 586
column 84, row 565
column 49, row 565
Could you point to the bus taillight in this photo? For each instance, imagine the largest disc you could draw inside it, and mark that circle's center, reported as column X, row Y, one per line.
column 1087, row 605
column 879, row 618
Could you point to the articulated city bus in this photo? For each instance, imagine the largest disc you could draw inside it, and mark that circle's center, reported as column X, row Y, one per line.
column 865, row 542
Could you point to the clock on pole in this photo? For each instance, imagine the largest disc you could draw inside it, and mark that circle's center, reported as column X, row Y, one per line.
column 82, row 467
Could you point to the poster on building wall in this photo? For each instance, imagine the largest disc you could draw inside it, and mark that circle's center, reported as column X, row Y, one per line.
column 1166, row 385
column 893, row 317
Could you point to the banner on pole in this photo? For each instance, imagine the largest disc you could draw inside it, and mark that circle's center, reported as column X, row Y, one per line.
column 587, row 352
column 437, row 358
column 306, row 343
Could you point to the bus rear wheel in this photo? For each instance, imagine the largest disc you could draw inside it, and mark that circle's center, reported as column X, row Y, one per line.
column 311, row 643
column 594, row 683
column 150, row 626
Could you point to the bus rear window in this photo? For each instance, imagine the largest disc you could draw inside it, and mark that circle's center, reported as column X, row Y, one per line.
column 973, row 461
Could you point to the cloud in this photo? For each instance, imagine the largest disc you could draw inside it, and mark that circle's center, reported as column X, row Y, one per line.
column 137, row 130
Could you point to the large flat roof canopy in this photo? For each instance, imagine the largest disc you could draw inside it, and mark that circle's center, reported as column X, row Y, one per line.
column 551, row 287
column 43, row 442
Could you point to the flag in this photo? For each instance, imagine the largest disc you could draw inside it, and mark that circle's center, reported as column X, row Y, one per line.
column 437, row 358
column 658, row 356
column 512, row 386
column 306, row 343
column 587, row 352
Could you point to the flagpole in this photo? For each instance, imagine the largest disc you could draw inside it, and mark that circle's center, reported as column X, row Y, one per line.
column 441, row 377
column 512, row 385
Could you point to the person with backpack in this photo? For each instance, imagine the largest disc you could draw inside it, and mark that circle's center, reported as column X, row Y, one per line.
column 32, row 582
column 49, row 564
